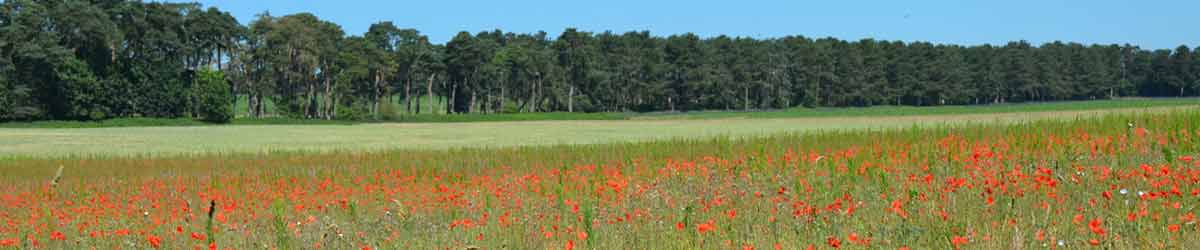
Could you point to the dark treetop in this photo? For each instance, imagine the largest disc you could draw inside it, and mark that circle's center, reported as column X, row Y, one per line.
column 90, row 60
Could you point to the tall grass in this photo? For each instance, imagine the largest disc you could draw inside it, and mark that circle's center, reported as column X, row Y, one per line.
column 1031, row 184
column 659, row 151
column 441, row 117
column 879, row 111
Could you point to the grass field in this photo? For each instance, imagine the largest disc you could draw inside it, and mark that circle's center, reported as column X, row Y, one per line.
column 876, row 111
column 1108, row 180
column 1103, row 174
column 439, row 114
column 156, row 141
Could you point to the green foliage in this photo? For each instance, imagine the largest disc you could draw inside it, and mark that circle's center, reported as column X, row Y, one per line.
column 14, row 101
column 213, row 97
column 108, row 123
column 353, row 113
column 83, row 92
column 387, row 112
column 283, row 238
column 92, row 60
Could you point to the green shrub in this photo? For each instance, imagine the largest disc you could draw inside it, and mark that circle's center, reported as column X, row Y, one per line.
column 387, row 112
column 213, row 98
column 353, row 113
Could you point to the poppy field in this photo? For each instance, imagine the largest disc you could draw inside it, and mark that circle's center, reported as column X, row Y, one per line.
column 1118, row 181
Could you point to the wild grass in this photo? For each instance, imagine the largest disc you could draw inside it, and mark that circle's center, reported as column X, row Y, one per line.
column 169, row 141
column 439, row 115
column 1119, row 180
column 878, row 111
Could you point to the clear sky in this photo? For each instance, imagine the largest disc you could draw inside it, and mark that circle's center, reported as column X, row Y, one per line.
column 1152, row 24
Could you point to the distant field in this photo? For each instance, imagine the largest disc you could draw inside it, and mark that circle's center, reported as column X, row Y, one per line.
column 938, row 110
column 160, row 141
column 876, row 111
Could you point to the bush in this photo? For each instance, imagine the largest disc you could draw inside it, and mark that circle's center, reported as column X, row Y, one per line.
column 353, row 113
column 213, row 100
column 387, row 112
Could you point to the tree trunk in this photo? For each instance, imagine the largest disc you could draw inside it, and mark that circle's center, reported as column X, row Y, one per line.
column 329, row 98
column 529, row 100
column 429, row 90
column 571, row 100
column 746, row 98
column 376, row 95
column 261, row 106
column 311, row 100
column 536, row 96
column 471, row 104
column 251, row 101
column 219, row 58
column 407, row 97
column 450, row 101
column 485, row 102
column 670, row 104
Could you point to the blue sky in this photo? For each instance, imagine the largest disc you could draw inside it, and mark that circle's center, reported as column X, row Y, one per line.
column 1153, row 24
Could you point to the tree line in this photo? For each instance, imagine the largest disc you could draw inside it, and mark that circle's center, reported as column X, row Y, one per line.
column 98, row 59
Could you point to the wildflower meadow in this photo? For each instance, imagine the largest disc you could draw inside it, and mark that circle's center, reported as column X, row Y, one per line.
column 1122, row 181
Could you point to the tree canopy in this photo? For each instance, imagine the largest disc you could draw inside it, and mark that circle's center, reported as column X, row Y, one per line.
column 89, row 60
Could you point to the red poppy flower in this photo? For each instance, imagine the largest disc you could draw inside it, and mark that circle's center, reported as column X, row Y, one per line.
column 958, row 241
column 1097, row 226
column 706, row 227
column 56, row 235
column 154, row 241
column 834, row 242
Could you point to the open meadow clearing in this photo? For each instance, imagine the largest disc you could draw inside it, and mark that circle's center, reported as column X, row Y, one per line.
column 468, row 125
column 159, row 141
column 1113, row 180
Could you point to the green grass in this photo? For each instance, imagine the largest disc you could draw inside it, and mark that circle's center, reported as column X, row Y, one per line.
column 1050, row 176
column 440, row 117
column 167, row 141
column 938, row 110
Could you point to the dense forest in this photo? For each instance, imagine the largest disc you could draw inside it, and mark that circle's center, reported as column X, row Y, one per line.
column 99, row 59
